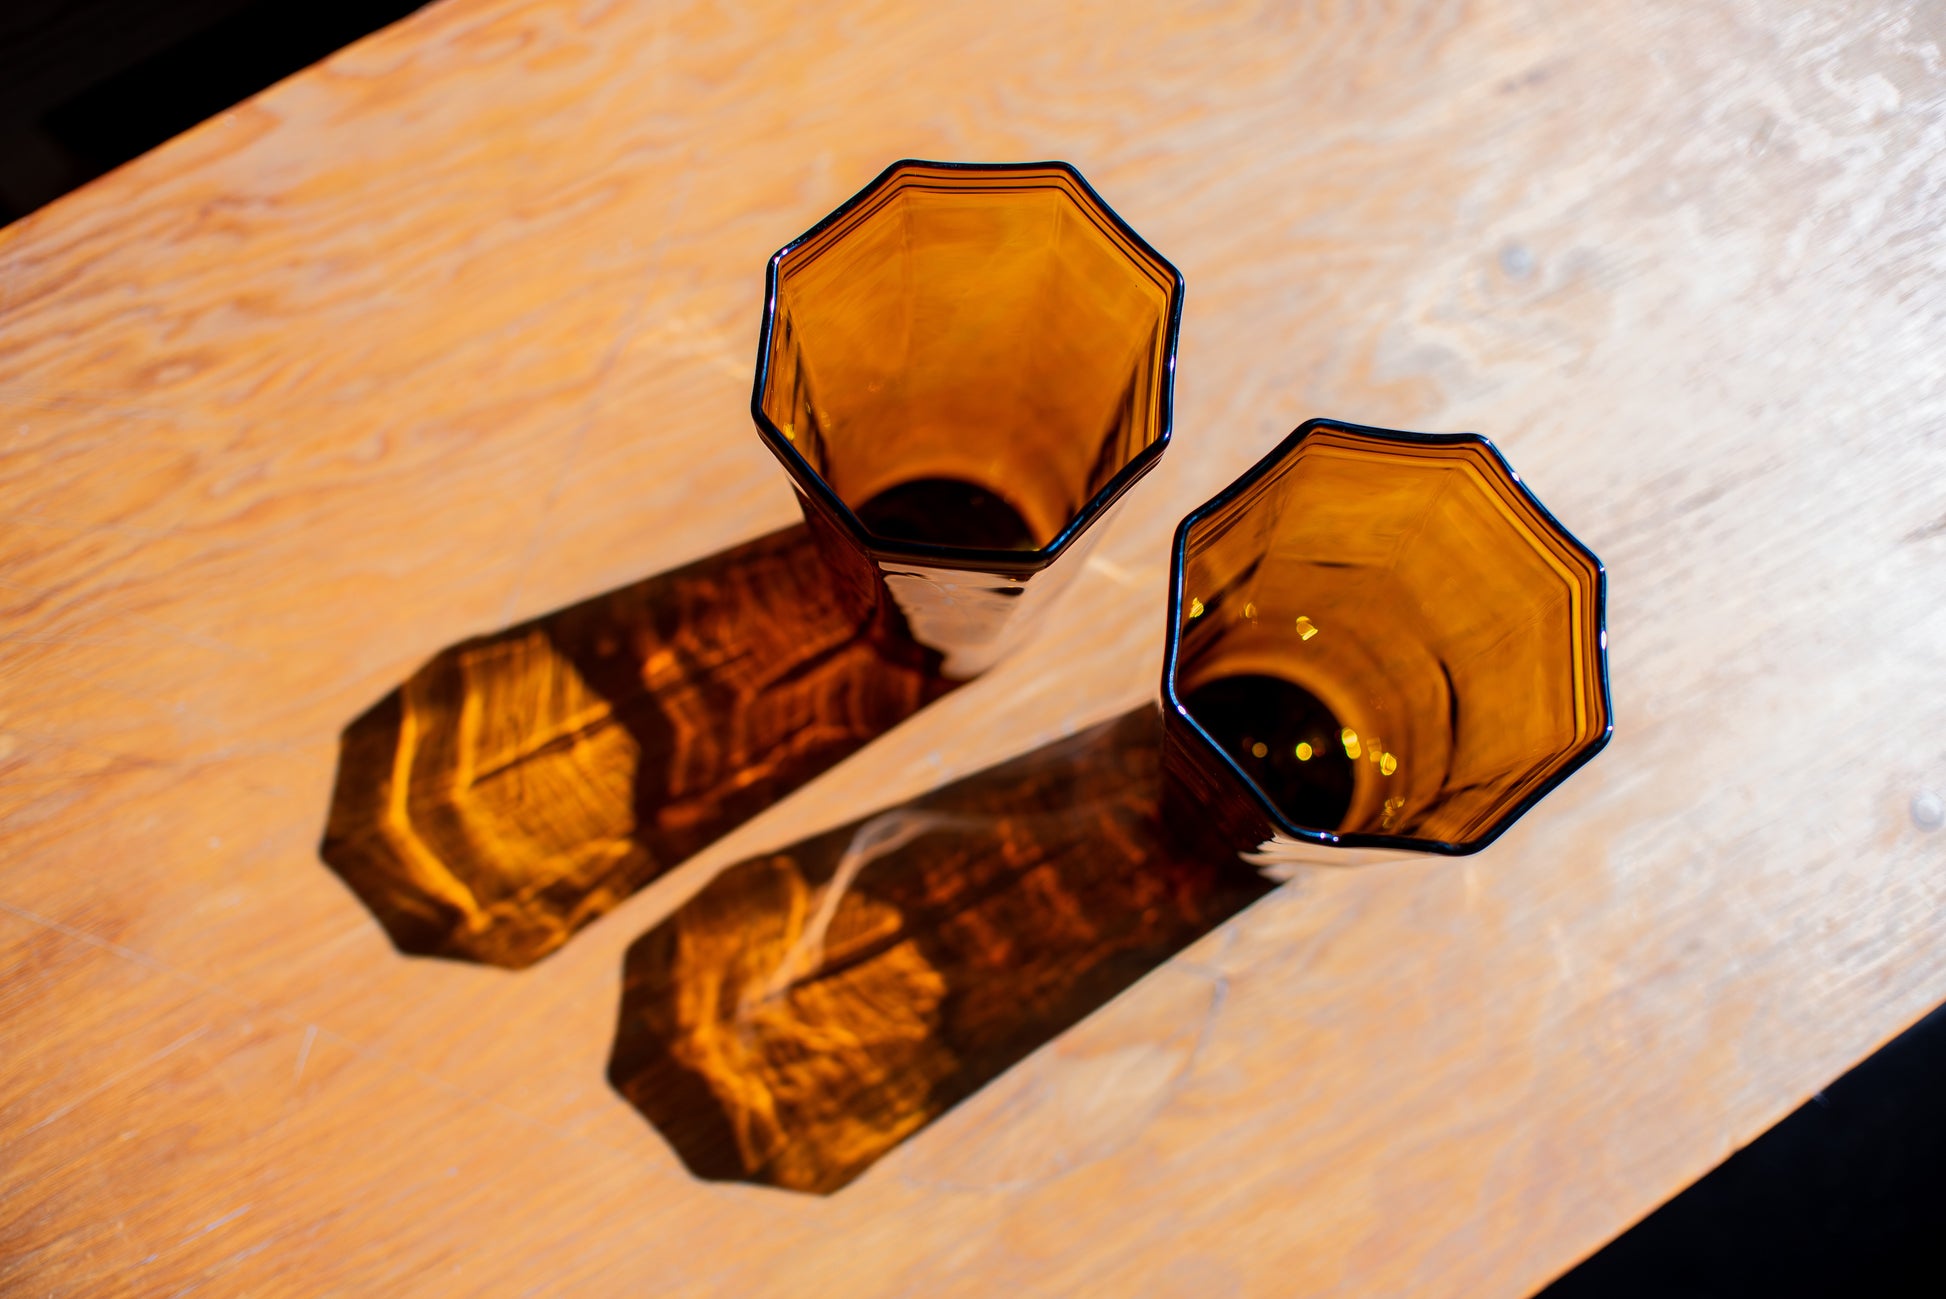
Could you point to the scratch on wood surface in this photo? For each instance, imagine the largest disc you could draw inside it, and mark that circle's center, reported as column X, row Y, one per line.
column 69, row 931
column 120, row 1074
column 304, row 1051
column 196, row 1234
column 212, row 1225
column 223, row 1266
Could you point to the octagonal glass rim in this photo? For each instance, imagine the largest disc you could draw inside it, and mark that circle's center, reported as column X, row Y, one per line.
column 1015, row 562
column 1178, row 558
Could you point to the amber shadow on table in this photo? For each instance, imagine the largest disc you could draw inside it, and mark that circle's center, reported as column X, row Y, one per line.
column 811, row 1009
column 520, row 785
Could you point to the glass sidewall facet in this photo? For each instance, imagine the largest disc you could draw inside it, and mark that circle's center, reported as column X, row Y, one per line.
column 1208, row 796
column 968, row 606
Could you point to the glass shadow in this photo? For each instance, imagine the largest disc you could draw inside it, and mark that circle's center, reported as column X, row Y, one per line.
column 520, row 785
column 809, row 1010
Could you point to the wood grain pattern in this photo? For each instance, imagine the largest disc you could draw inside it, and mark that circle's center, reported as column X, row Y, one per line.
column 457, row 328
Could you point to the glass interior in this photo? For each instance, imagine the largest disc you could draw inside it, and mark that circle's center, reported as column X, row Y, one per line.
column 967, row 356
column 1389, row 637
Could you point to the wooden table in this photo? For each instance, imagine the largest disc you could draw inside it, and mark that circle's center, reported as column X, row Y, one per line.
column 457, row 327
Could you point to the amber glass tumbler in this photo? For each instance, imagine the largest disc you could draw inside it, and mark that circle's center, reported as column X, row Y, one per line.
column 1378, row 640
column 963, row 369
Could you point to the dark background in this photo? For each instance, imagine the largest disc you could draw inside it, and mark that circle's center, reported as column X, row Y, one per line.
column 1847, row 1196
column 85, row 85
column 1844, row 1197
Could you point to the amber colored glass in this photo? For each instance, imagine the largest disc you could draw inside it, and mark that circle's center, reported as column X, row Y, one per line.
column 1379, row 639
column 963, row 369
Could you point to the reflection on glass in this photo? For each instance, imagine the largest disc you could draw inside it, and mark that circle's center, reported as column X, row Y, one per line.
column 1378, row 639
column 963, row 369
column 811, row 1009
column 520, row 785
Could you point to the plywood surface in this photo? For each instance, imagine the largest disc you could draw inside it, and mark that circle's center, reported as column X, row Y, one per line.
column 457, row 328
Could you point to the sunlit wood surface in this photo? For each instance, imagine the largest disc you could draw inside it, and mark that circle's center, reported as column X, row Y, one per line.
column 457, row 328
